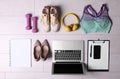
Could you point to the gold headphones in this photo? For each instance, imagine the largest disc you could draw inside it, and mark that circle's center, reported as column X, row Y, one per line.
column 71, row 27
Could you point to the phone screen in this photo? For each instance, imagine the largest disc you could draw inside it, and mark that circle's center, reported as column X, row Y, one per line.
column 97, row 51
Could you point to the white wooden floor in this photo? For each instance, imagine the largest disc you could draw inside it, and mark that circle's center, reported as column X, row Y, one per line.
column 13, row 22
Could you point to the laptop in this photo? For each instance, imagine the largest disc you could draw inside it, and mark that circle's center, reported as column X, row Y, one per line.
column 67, row 56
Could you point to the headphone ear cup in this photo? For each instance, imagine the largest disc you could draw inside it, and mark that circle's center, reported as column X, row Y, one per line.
column 75, row 27
column 68, row 28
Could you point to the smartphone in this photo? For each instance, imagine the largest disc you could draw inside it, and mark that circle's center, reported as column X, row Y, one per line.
column 97, row 52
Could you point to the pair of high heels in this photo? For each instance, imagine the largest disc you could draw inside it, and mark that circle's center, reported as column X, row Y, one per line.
column 41, row 50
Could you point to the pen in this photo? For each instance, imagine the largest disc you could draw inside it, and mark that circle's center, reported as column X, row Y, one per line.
column 91, row 51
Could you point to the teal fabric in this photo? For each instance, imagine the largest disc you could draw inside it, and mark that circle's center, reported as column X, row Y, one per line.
column 91, row 23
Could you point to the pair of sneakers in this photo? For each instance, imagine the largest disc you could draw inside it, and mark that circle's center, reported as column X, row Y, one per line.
column 50, row 19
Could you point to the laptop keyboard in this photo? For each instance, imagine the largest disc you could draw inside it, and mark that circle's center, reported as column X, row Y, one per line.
column 67, row 54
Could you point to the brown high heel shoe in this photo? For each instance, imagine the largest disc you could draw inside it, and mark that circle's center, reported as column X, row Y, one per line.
column 45, row 49
column 37, row 50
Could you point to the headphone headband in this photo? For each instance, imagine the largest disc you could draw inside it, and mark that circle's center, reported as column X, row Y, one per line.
column 69, row 14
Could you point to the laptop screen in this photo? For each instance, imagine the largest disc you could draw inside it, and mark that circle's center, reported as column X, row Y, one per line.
column 67, row 68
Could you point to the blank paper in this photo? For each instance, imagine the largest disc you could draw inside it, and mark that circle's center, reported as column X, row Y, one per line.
column 20, row 53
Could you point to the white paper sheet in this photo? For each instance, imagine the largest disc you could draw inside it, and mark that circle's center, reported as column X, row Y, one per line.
column 20, row 53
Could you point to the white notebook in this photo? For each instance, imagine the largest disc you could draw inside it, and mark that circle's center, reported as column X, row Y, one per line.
column 20, row 53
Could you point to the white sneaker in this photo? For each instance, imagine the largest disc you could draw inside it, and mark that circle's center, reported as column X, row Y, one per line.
column 46, row 19
column 54, row 22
